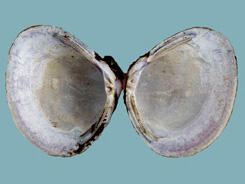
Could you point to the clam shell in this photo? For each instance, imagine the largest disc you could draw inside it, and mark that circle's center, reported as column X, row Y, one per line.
column 61, row 94
column 180, row 95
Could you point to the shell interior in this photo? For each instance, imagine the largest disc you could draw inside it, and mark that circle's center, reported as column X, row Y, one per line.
column 71, row 91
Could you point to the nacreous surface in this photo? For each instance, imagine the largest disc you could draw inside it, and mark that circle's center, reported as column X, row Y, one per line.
column 170, row 92
column 72, row 92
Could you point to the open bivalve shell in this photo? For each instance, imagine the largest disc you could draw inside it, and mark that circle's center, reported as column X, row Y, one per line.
column 180, row 95
column 61, row 93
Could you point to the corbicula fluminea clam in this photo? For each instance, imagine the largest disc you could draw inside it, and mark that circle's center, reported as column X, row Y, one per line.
column 61, row 93
column 179, row 95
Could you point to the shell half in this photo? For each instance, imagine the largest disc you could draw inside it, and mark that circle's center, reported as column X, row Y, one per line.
column 180, row 95
column 61, row 93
